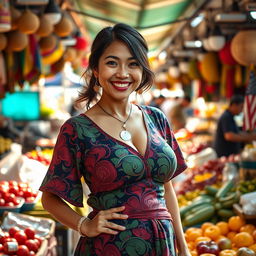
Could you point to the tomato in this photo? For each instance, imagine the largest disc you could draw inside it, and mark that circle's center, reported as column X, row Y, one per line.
column 13, row 183
column 1, row 248
column 14, row 190
column 39, row 239
column 28, row 192
column 30, row 199
column 16, row 201
column 9, row 197
column 23, row 250
column 31, row 253
column 30, row 232
column 2, row 202
column 32, row 245
column 13, row 230
column 23, row 185
column 9, row 204
column 21, row 237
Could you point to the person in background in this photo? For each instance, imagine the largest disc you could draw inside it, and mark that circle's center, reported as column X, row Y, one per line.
column 228, row 137
column 157, row 101
column 8, row 129
column 126, row 153
column 179, row 112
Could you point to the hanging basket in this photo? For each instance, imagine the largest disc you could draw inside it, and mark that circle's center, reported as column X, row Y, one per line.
column 15, row 15
column 64, row 27
column 243, row 47
column 5, row 16
column 45, row 27
column 3, row 41
column 28, row 23
column 48, row 43
column 16, row 41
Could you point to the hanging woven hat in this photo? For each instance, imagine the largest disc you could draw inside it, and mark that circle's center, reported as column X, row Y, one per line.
column 64, row 27
column 5, row 16
column 28, row 23
column 48, row 43
column 3, row 41
column 16, row 41
column 45, row 27
column 15, row 15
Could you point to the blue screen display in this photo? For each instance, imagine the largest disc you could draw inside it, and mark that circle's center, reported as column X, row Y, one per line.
column 21, row 106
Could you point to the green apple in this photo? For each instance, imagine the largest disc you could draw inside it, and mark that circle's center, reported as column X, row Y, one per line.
column 224, row 243
column 244, row 251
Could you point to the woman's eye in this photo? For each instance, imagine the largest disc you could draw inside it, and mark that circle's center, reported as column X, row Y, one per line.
column 111, row 63
column 134, row 64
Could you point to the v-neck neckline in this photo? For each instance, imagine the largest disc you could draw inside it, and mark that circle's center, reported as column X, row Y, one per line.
column 134, row 149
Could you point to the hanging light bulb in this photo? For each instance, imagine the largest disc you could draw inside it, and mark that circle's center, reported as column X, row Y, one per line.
column 52, row 12
column 216, row 40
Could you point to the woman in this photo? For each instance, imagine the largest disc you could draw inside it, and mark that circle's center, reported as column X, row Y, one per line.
column 126, row 153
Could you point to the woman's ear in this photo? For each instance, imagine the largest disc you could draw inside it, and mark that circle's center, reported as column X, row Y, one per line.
column 95, row 73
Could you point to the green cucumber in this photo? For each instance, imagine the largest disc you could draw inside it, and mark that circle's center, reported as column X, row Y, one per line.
column 230, row 196
column 197, row 208
column 210, row 190
column 225, row 213
column 201, row 215
column 225, row 188
column 194, row 203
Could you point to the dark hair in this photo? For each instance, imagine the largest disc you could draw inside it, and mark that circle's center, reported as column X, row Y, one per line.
column 236, row 99
column 134, row 41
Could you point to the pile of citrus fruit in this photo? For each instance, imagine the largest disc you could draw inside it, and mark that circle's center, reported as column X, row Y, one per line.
column 231, row 237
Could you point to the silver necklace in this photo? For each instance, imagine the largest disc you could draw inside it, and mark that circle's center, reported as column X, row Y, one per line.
column 124, row 134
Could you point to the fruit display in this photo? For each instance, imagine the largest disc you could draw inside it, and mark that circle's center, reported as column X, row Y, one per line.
column 21, row 242
column 233, row 237
column 13, row 195
column 44, row 156
column 247, row 186
column 215, row 204
column 197, row 178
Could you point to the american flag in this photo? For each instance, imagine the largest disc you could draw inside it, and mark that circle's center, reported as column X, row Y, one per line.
column 250, row 104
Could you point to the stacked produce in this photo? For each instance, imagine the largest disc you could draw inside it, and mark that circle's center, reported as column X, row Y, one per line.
column 44, row 156
column 19, row 242
column 215, row 204
column 233, row 237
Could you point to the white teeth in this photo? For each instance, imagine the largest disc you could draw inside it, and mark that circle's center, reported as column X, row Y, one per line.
column 120, row 85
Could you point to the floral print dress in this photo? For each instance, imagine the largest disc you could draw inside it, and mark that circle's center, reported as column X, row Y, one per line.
column 119, row 175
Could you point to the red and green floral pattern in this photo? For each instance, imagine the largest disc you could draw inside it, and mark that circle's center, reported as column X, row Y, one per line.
column 119, row 175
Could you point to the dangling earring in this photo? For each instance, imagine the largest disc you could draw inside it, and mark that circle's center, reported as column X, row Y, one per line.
column 97, row 86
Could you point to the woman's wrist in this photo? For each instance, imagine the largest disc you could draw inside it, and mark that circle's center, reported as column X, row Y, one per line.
column 79, row 225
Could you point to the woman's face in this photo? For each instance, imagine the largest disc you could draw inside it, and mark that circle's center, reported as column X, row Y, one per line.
column 118, row 72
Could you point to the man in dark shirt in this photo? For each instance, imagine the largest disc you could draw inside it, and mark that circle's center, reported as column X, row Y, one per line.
column 228, row 137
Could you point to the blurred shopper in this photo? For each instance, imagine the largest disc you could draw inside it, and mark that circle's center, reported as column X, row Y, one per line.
column 179, row 113
column 229, row 138
column 157, row 101
column 127, row 155
column 8, row 129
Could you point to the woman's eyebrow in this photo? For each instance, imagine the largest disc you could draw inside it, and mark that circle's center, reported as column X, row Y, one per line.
column 115, row 57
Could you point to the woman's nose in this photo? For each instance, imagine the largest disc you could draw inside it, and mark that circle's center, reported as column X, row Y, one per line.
column 122, row 72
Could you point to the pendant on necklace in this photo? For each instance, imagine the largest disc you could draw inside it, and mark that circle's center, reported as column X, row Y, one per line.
column 125, row 135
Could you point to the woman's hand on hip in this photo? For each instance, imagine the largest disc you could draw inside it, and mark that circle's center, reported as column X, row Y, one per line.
column 101, row 224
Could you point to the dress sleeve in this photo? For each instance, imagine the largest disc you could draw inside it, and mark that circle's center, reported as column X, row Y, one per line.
column 171, row 140
column 63, row 177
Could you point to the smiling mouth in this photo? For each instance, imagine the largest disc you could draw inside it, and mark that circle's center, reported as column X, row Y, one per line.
column 120, row 85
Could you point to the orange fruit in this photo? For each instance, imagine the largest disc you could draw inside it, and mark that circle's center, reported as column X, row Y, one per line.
column 193, row 253
column 206, row 225
column 223, row 227
column 243, row 239
column 235, row 223
column 202, row 238
column 191, row 229
column 231, row 235
column 249, row 228
column 254, row 235
column 191, row 246
column 220, row 237
column 227, row 252
column 194, row 234
column 207, row 254
column 253, row 247
column 212, row 231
